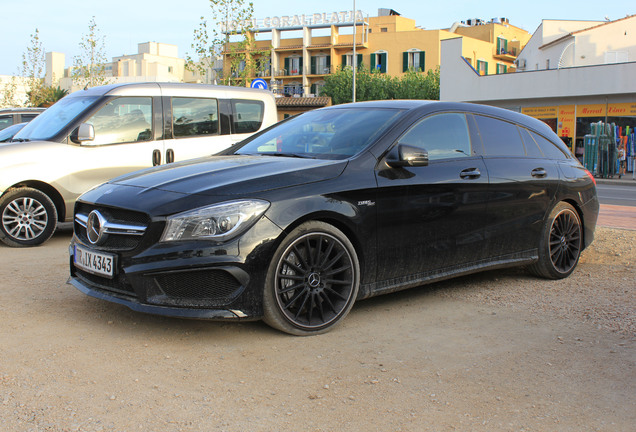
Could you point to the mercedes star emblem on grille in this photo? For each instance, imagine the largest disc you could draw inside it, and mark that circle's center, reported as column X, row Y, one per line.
column 95, row 227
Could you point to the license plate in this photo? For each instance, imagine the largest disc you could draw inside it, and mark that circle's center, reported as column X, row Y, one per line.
column 94, row 262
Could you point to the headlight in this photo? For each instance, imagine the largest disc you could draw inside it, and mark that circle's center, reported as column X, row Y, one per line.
column 218, row 222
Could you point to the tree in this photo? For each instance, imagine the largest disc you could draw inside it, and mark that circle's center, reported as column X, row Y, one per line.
column 89, row 68
column 51, row 95
column 417, row 85
column 232, row 34
column 33, row 68
column 378, row 86
column 9, row 90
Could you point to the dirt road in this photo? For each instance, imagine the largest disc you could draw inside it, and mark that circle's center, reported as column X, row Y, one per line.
column 499, row 351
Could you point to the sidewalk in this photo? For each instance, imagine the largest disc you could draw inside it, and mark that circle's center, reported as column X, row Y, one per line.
column 625, row 180
column 613, row 216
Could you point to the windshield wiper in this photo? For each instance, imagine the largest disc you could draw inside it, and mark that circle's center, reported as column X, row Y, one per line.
column 295, row 155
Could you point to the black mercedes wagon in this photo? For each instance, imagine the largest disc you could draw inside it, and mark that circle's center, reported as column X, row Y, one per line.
column 339, row 204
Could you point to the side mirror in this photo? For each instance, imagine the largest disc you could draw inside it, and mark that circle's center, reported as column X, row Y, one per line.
column 84, row 132
column 407, row 155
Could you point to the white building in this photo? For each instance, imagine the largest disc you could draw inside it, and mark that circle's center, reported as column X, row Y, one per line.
column 570, row 74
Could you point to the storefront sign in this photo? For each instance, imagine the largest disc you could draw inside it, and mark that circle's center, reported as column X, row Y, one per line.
column 541, row 112
column 567, row 121
column 591, row 110
column 621, row 110
column 293, row 21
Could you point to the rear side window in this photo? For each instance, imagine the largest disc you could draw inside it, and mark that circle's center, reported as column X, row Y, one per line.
column 193, row 117
column 27, row 117
column 500, row 138
column 443, row 136
column 532, row 148
column 548, row 148
column 123, row 120
column 248, row 116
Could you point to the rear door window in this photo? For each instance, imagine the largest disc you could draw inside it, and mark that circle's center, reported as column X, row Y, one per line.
column 247, row 116
column 6, row 121
column 500, row 138
column 192, row 117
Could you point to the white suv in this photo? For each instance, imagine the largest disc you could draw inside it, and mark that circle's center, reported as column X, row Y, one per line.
column 93, row 135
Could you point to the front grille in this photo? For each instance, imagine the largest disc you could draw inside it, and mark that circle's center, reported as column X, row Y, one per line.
column 213, row 285
column 112, row 242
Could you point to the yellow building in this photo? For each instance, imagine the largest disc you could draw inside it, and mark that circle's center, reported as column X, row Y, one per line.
column 388, row 43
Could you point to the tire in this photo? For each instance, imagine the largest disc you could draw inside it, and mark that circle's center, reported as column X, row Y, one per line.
column 312, row 280
column 28, row 217
column 560, row 244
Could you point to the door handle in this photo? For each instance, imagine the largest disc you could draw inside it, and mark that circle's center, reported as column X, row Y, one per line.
column 156, row 157
column 470, row 173
column 169, row 156
column 539, row 172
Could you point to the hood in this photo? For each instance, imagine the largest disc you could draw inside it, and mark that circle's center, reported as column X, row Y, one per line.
column 23, row 153
column 232, row 175
column 169, row 188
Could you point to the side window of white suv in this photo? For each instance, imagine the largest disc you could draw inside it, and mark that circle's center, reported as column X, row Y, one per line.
column 123, row 120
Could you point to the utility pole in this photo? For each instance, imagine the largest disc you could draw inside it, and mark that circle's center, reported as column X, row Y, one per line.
column 355, row 57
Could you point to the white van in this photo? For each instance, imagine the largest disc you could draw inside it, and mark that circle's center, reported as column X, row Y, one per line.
column 93, row 135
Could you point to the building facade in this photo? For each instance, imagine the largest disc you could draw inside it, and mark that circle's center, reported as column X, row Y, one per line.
column 570, row 75
column 388, row 43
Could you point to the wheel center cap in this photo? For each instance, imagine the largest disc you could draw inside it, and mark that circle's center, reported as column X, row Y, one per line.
column 313, row 280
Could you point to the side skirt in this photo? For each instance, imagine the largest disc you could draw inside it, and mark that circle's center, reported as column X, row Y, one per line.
column 402, row 283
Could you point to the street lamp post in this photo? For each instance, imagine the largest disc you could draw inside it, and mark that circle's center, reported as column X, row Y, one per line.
column 355, row 58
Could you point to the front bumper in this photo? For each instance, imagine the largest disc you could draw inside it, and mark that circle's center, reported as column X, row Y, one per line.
column 178, row 312
column 194, row 279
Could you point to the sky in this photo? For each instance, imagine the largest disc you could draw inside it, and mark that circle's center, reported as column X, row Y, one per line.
column 126, row 23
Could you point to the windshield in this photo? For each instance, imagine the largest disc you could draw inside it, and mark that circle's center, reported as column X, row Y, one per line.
column 324, row 134
column 54, row 119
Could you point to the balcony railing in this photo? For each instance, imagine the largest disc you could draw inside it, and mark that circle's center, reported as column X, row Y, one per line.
column 506, row 54
column 319, row 70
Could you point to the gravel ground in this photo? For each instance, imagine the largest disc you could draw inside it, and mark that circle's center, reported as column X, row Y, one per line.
column 498, row 351
column 587, row 295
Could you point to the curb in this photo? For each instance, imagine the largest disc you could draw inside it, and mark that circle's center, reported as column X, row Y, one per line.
column 622, row 182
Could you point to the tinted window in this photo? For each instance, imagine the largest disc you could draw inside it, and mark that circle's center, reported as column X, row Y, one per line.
column 442, row 136
column 532, row 148
column 27, row 117
column 548, row 148
column 500, row 138
column 324, row 134
column 126, row 119
column 194, row 117
column 248, row 116
column 6, row 120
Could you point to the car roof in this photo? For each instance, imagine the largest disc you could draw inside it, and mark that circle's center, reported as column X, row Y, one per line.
column 170, row 88
column 20, row 110
column 431, row 106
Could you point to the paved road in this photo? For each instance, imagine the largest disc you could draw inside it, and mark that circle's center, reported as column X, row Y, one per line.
column 622, row 194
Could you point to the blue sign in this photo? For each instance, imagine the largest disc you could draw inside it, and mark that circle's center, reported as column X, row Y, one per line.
column 259, row 83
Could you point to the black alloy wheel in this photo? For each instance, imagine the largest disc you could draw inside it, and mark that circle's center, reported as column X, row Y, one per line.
column 561, row 243
column 28, row 216
column 313, row 280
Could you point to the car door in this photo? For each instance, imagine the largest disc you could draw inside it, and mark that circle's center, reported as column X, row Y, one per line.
column 522, row 187
column 124, row 141
column 203, row 126
column 431, row 218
